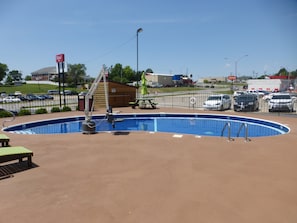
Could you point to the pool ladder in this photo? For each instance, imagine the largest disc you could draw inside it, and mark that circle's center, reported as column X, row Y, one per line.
column 243, row 125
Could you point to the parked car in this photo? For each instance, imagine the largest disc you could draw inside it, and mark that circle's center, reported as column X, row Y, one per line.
column 281, row 102
column 155, row 85
column 40, row 97
column 22, row 98
column 31, row 97
column 47, row 97
column 17, row 93
column 69, row 92
column 267, row 97
column 293, row 95
column 10, row 99
column 262, row 93
column 237, row 93
column 218, row 102
column 252, row 92
column 52, row 92
column 83, row 93
column 246, row 102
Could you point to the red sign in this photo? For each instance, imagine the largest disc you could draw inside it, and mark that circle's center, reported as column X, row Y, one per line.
column 60, row 58
column 231, row 78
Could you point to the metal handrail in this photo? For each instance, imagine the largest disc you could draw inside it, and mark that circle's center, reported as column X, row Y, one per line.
column 228, row 124
column 13, row 118
column 245, row 125
column 90, row 93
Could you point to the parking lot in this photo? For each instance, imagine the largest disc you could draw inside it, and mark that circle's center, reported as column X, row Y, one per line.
column 186, row 101
column 32, row 105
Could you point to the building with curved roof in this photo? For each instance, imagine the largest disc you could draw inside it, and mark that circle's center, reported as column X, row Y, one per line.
column 44, row 74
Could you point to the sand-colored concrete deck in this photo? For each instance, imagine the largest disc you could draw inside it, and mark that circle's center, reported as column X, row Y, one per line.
column 143, row 177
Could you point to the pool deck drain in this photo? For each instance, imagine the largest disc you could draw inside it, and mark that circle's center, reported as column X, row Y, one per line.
column 177, row 136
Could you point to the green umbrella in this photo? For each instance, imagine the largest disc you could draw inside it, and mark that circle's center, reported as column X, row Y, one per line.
column 143, row 85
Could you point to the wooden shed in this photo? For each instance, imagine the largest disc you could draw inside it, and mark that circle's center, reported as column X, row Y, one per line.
column 119, row 95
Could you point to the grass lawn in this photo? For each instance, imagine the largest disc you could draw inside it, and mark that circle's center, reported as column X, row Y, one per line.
column 31, row 88
column 43, row 89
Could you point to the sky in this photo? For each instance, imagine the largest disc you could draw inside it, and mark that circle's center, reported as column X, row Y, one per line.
column 205, row 38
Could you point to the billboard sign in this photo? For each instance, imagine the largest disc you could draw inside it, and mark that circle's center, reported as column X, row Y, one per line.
column 60, row 58
column 231, row 78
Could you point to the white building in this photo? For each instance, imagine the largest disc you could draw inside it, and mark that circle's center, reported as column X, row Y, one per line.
column 268, row 84
column 163, row 79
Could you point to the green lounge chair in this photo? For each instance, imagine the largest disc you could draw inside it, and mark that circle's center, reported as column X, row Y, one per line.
column 4, row 140
column 15, row 152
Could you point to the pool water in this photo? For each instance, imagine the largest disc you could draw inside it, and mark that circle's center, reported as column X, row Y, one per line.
column 195, row 124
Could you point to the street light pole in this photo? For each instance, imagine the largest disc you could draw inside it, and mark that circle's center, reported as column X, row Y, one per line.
column 138, row 31
column 236, row 62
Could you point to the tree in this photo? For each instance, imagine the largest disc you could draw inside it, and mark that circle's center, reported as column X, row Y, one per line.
column 149, row 70
column 283, row 72
column 122, row 75
column 262, row 77
column 28, row 78
column 293, row 74
column 129, row 74
column 116, row 73
column 15, row 75
column 9, row 80
column 75, row 74
column 3, row 71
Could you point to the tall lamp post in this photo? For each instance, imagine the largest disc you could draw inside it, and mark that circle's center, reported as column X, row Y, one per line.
column 236, row 62
column 138, row 31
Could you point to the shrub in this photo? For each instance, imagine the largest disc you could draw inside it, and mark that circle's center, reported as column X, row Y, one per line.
column 55, row 109
column 66, row 108
column 4, row 113
column 41, row 111
column 24, row 112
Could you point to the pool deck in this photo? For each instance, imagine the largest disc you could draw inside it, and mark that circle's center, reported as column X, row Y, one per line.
column 143, row 177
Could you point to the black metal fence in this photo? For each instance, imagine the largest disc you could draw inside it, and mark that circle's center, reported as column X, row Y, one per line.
column 195, row 100
column 192, row 100
column 69, row 101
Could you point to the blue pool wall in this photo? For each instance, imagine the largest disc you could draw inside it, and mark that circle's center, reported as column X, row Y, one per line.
column 283, row 129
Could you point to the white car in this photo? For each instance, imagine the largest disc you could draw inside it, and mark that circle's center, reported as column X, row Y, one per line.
column 17, row 93
column 218, row 102
column 281, row 102
column 237, row 93
column 11, row 99
column 267, row 97
column 258, row 93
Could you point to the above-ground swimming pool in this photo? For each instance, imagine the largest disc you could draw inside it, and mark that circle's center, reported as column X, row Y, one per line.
column 194, row 124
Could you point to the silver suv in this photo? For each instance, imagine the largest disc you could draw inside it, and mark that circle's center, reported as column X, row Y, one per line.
column 217, row 102
column 281, row 102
